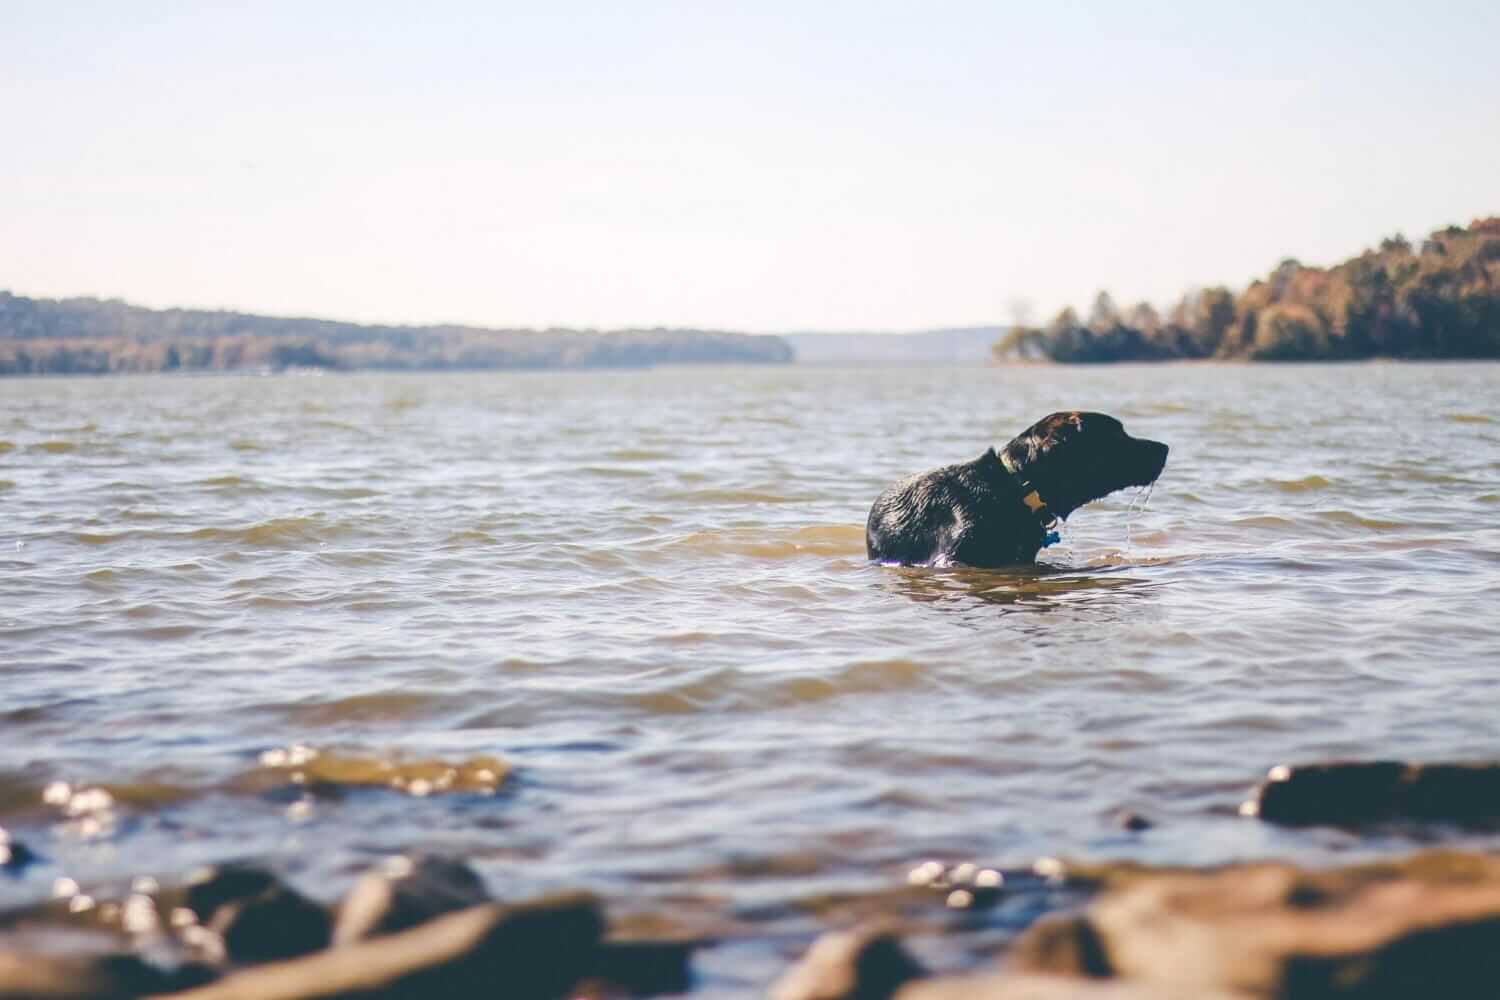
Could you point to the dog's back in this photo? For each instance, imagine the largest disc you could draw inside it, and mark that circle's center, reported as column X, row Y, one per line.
column 971, row 513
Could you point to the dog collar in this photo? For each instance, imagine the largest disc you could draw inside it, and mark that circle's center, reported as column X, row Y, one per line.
column 1029, row 494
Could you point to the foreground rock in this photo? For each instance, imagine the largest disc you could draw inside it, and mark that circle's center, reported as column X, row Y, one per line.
column 1426, row 926
column 254, row 917
column 417, row 927
column 1430, row 924
column 405, row 892
column 1361, row 793
column 537, row 951
column 868, row 964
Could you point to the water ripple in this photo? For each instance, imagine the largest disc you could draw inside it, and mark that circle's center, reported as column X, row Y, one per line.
column 651, row 594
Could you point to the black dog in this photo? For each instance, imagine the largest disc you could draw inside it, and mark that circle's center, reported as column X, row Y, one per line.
column 998, row 509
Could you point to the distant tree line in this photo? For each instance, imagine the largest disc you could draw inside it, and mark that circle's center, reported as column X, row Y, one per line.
column 1440, row 300
column 95, row 337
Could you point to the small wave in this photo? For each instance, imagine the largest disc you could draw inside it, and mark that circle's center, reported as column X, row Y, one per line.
column 818, row 540
column 165, row 632
column 1263, row 521
column 270, row 534
column 1419, row 475
column 339, row 425
column 637, row 455
column 400, row 404
column 471, row 537
column 1157, row 409
column 727, row 496
column 1306, row 484
column 374, row 707
column 6, row 446
column 55, row 447
column 383, row 604
column 1349, row 517
column 339, row 492
column 233, row 484
column 863, row 677
column 1470, row 418
column 7, row 484
column 733, row 690
column 614, row 472
column 99, row 537
column 245, row 444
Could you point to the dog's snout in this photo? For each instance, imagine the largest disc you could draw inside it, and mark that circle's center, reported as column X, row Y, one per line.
column 1156, row 457
column 1147, row 460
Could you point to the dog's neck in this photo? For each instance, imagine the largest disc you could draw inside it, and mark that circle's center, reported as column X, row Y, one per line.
column 1030, row 495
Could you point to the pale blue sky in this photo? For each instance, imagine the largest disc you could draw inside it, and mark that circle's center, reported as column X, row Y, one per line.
column 768, row 166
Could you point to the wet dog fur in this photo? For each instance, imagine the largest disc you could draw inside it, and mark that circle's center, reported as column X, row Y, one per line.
column 997, row 509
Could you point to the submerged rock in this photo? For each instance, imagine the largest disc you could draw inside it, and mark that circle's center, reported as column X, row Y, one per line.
column 1360, row 793
column 325, row 772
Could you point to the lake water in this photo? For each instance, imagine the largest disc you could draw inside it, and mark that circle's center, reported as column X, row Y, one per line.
column 647, row 592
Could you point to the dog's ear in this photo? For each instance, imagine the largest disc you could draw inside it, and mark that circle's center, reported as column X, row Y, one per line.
column 1036, row 441
column 1074, row 457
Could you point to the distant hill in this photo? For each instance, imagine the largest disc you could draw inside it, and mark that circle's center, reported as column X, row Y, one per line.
column 1439, row 300
column 971, row 343
column 93, row 336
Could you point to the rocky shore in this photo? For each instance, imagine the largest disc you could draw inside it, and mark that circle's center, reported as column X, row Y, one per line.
column 421, row 925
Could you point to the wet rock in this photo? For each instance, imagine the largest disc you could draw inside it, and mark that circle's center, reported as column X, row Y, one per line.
column 40, row 976
column 1360, row 793
column 257, row 917
column 406, row 891
column 1427, row 926
column 644, row 968
column 862, row 964
column 869, row 964
column 535, row 951
column 1135, row 822
column 15, row 856
column 1013, row 987
column 224, row 885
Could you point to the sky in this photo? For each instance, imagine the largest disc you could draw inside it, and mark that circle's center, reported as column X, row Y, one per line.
column 768, row 166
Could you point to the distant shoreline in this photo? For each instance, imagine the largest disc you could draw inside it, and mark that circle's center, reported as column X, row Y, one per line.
column 94, row 337
column 1439, row 301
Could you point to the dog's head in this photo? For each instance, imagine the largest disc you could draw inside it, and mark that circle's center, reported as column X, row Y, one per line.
column 1070, row 459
